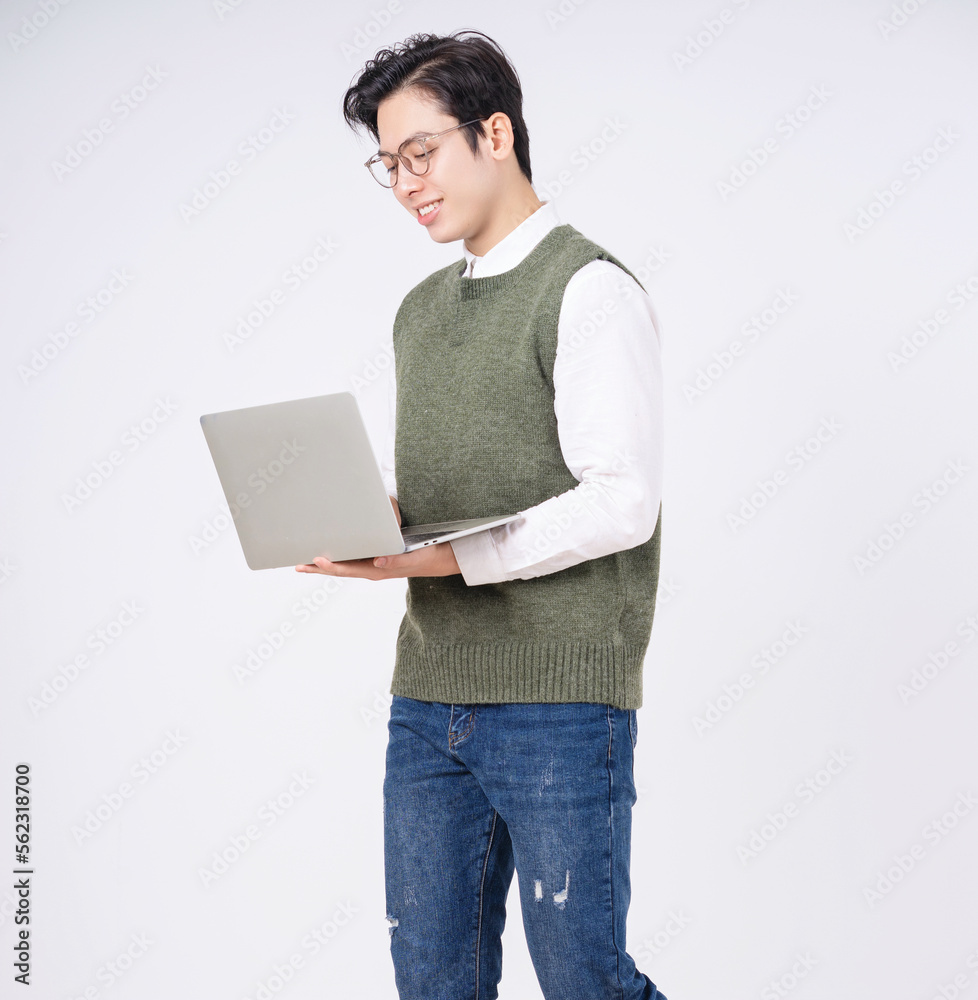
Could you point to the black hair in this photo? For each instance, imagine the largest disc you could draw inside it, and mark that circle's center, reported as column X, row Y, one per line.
column 465, row 74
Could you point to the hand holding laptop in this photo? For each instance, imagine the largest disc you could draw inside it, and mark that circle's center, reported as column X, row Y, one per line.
column 434, row 560
column 302, row 482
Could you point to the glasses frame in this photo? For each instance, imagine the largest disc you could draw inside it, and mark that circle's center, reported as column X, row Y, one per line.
column 398, row 159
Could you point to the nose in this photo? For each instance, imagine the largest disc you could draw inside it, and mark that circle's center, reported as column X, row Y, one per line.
column 406, row 183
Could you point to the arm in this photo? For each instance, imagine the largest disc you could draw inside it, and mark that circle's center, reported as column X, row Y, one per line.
column 608, row 404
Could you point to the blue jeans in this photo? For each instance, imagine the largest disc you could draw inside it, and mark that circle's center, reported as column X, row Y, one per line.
column 472, row 791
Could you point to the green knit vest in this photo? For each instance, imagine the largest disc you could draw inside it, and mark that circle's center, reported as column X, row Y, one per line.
column 476, row 436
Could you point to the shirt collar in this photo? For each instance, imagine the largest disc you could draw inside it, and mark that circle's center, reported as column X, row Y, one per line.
column 514, row 246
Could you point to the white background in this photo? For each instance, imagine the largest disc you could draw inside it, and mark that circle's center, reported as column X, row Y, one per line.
column 745, row 883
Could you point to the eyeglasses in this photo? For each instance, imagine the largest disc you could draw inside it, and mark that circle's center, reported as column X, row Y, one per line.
column 413, row 153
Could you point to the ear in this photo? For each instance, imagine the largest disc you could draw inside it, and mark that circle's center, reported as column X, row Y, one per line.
column 499, row 129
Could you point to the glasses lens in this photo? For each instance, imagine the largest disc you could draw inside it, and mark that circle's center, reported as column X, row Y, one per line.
column 414, row 155
column 383, row 169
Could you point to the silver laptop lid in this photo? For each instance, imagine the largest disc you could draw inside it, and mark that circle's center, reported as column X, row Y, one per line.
column 301, row 480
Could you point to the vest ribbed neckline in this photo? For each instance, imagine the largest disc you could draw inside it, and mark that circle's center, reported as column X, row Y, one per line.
column 480, row 288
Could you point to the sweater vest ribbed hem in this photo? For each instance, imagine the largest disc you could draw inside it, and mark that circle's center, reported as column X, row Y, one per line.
column 503, row 673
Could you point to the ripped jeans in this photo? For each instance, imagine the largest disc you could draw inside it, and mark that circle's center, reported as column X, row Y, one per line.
column 472, row 792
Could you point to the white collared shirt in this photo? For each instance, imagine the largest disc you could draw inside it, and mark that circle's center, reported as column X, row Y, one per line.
column 608, row 404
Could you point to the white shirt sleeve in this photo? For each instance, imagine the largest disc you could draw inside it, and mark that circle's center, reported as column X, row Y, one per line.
column 387, row 459
column 609, row 409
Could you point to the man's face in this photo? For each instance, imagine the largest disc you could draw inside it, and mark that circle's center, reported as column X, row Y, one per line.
column 459, row 182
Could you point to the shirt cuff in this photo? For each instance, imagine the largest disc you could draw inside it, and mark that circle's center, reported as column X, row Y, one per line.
column 478, row 559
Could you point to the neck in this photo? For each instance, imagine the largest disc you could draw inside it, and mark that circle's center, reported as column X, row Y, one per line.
column 513, row 210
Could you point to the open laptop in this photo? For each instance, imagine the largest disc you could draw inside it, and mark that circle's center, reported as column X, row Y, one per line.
column 301, row 480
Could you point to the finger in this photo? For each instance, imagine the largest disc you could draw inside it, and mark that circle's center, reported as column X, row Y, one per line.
column 393, row 564
column 336, row 569
column 363, row 568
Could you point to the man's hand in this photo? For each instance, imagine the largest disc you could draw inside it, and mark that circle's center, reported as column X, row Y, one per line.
column 432, row 560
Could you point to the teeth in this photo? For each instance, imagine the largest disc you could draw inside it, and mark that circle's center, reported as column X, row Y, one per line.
column 428, row 208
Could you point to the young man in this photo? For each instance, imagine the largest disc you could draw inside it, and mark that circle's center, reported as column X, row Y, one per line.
column 527, row 379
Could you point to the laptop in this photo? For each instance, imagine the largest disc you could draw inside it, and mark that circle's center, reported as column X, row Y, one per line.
column 301, row 480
